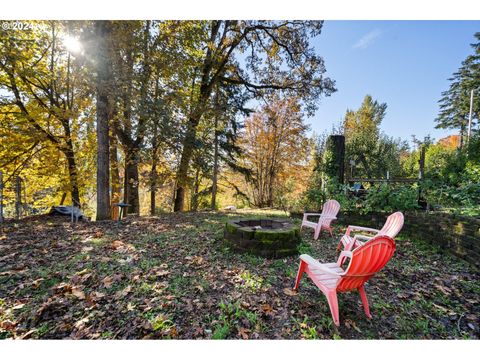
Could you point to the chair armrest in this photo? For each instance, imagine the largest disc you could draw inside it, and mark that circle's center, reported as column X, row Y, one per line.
column 312, row 214
column 362, row 237
column 325, row 217
column 320, row 214
column 360, row 228
column 314, row 264
column 329, row 217
column 342, row 256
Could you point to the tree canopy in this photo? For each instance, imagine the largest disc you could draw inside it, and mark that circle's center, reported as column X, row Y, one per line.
column 190, row 115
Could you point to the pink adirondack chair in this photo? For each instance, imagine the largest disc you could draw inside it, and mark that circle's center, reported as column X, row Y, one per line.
column 365, row 261
column 329, row 213
column 392, row 227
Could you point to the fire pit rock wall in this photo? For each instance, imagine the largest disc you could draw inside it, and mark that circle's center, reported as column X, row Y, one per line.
column 270, row 238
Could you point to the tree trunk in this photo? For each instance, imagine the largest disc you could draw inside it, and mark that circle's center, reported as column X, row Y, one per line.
column 103, row 111
column 131, row 181
column 270, row 188
column 196, row 187
column 198, row 109
column 152, row 203
column 188, row 145
column 182, row 174
column 153, row 185
column 115, row 176
column 213, row 204
column 132, row 146
column 69, row 153
column 64, row 196
column 72, row 173
column 153, row 170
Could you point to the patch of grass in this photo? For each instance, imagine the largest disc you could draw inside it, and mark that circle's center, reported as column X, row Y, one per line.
column 251, row 281
column 179, row 284
column 202, row 282
column 104, row 267
column 117, row 286
column 252, row 259
column 72, row 262
column 471, row 286
column 423, row 326
column 325, row 322
column 50, row 282
column 307, row 331
column 99, row 241
column 5, row 334
column 231, row 315
column 380, row 305
column 156, row 238
column 291, row 271
column 221, row 332
column 305, row 248
column 107, row 335
column 251, row 316
column 5, row 314
column 147, row 263
column 162, row 323
column 42, row 330
column 144, row 289
column 278, row 264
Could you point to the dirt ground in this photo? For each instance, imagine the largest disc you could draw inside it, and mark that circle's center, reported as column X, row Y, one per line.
column 172, row 276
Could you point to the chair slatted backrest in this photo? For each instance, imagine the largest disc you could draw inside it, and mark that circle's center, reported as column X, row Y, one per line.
column 393, row 225
column 366, row 261
column 330, row 208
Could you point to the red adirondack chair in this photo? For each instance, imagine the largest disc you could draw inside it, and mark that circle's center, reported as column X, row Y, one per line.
column 392, row 227
column 329, row 213
column 365, row 261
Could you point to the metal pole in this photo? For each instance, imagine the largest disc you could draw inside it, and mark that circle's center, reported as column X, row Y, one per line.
column 470, row 118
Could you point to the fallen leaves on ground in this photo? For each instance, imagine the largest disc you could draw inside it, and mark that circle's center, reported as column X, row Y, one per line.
column 173, row 277
column 290, row 292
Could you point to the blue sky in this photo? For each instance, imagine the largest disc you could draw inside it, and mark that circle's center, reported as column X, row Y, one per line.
column 403, row 63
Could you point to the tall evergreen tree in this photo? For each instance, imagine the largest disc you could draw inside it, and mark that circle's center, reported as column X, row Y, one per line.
column 455, row 102
column 374, row 152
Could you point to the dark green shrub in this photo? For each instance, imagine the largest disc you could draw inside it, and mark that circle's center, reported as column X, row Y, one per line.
column 390, row 198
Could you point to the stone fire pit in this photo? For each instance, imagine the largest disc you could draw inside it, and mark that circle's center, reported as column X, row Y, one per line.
column 268, row 238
